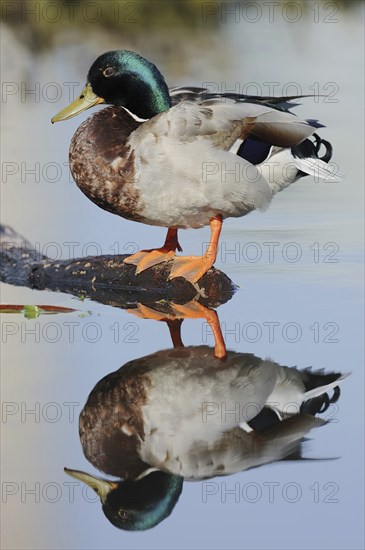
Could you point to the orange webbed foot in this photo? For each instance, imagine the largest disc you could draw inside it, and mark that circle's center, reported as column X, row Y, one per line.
column 145, row 259
column 192, row 268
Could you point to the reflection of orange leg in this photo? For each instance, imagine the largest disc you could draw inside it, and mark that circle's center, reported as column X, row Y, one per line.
column 148, row 258
column 193, row 268
column 195, row 310
column 175, row 332
column 191, row 310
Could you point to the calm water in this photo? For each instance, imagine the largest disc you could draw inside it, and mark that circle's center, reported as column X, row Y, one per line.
column 314, row 305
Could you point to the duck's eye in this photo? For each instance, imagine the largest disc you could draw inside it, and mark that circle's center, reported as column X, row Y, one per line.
column 123, row 514
column 109, row 71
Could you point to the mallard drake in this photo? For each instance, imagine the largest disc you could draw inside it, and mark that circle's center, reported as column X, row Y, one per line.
column 183, row 158
column 184, row 414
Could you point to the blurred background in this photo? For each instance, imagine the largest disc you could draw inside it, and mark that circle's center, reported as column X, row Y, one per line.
column 264, row 48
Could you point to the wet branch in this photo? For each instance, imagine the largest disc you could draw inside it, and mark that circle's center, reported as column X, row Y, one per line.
column 105, row 279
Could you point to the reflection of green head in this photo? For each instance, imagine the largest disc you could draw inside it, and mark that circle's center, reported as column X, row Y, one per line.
column 135, row 505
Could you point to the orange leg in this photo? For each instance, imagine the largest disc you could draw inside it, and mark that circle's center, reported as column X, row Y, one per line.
column 193, row 268
column 148, row 258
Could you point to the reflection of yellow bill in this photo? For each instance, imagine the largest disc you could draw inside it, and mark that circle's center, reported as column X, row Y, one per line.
column 86, row 99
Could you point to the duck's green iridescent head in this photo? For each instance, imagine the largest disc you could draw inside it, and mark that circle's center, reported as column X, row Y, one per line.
column 125, row 79
column 135, row 505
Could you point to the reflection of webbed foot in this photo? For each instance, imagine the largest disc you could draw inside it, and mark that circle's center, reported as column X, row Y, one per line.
column 145, row 312
column 174, row 324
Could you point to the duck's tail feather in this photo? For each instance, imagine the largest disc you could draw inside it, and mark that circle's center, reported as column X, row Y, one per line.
column 318, row 384
column 308, row 160
column 317, row 168
column 328, row 154
column 297, row 455
column 310, row 148
column 284, row 439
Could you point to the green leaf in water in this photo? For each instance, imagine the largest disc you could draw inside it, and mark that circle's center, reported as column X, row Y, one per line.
column 81, row 297
column 32, row 312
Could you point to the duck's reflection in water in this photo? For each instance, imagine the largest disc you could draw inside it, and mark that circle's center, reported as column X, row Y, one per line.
column 184, row 413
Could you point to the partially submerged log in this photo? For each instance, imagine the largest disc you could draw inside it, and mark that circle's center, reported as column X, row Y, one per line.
column 105, row 279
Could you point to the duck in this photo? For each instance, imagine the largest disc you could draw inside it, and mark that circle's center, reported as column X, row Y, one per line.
column 184, row 158
column 182, row 414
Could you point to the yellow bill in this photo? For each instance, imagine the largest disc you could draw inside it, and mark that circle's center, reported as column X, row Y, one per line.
column 101, row 486
column 86, row 99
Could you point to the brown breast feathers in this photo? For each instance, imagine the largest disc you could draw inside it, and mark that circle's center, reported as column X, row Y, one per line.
column 102, row 162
